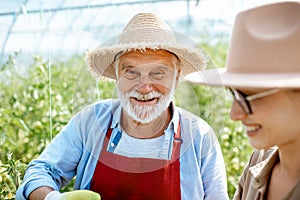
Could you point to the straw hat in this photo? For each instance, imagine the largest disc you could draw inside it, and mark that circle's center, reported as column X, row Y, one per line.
column 145, row 31
column 264, row 50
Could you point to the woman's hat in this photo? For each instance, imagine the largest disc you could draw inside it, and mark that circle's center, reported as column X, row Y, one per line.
column 264, row 50
column 145, row 31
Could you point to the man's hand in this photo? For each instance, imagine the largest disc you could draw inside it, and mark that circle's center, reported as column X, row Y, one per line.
column 74, row 195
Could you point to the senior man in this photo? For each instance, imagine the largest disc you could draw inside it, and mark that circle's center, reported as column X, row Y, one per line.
column 139, row 146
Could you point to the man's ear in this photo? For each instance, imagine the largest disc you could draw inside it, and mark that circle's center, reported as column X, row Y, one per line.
column 178, row 75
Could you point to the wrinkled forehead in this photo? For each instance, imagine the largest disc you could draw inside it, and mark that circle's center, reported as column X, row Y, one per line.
column 144, row 56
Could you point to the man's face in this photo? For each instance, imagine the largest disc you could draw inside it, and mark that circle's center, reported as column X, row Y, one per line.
column 146, row 83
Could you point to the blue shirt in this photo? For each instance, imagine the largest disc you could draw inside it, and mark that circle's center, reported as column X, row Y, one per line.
column 75, row 151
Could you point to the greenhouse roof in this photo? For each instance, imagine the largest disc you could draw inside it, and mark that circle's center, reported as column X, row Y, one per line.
column 67, row 27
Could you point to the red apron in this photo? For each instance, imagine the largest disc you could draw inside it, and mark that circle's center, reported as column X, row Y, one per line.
column 120, row 177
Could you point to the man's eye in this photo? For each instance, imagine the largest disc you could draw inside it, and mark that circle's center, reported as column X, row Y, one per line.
column 131, row 74
column 157, row 74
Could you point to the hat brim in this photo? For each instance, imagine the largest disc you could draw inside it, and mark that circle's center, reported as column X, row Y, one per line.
column 221, row 77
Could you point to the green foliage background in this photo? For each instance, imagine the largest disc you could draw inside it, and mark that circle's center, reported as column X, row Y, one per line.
column 36, row 105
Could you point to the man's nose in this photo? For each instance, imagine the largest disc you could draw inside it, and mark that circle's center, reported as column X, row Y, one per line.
column 144, row 84
column 237, row 112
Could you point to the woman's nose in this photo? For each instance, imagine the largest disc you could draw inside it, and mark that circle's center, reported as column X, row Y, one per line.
column 237, row 112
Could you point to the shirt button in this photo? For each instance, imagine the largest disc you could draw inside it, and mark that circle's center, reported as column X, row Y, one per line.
column 112, row 144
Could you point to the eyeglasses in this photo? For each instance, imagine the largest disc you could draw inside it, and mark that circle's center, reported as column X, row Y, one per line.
column 244, row 100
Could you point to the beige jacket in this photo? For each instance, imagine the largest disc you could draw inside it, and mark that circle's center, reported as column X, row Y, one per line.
column 254, row 181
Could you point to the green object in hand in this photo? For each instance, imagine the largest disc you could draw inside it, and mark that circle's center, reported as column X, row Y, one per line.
column 80, row 195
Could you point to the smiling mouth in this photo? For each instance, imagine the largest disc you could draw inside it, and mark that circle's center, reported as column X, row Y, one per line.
column 144, row 100
column 252, row 128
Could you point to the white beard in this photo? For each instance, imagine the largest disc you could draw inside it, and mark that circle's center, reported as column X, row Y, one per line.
column 145, row 113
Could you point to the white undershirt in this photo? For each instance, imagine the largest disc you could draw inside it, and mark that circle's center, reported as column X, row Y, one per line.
column 134, row 147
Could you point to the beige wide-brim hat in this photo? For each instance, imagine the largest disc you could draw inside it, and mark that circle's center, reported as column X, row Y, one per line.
column 264, row 50
column 145, row 31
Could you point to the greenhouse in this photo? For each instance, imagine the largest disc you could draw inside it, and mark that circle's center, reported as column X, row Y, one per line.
column 44, row 79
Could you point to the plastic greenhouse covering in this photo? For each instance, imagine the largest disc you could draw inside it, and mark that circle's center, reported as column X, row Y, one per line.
column 59, row 28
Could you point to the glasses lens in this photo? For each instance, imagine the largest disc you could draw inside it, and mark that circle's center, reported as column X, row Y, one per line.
column 240, row 98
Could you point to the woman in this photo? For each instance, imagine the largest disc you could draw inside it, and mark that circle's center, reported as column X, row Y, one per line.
column 263, row 74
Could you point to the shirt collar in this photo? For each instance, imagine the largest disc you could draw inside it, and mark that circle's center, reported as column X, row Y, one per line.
column 173, row 125
column 116, row 117
column 262, row 170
